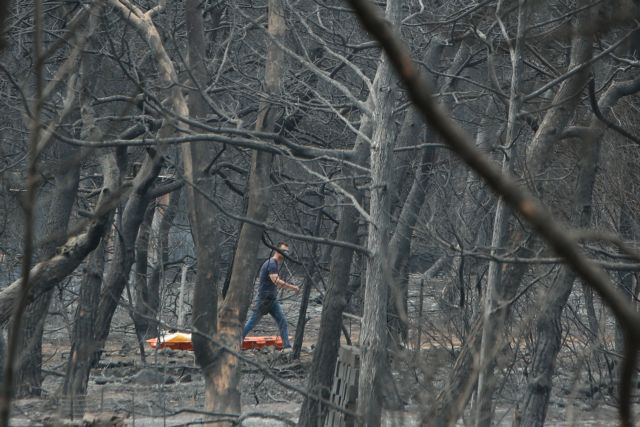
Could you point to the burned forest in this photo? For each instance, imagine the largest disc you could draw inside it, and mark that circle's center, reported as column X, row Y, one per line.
column 319, row 213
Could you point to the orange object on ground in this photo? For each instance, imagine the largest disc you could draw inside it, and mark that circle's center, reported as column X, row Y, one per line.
column 261, row 342
column 182, row 341
column 176, row 341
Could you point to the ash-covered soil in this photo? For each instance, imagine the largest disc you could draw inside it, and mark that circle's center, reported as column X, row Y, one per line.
column 169, row 391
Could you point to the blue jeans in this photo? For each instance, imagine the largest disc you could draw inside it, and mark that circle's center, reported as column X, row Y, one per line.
column 272, row 307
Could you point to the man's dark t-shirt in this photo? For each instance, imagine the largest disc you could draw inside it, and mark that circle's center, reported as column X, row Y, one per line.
column 267, row 289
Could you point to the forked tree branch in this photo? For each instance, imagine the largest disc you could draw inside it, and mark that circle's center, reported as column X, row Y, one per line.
column 517, row 197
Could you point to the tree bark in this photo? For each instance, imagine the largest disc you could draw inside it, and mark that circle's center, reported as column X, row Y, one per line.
column 325, row 353
column 141, row 274
column 202, row 214
column 222, row 393
column 117, row 272
column 148, row 293
column 66, row 163
column 400, row 247
column 306, row 289
column 373, row 335
column 29, row 369
column 493, row 325
column 400, row 244
column 46, row 274
column 82, row 343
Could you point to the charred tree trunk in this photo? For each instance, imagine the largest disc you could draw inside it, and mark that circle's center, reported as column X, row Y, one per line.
column 117, row 272
column 374, row 336
column 222, row 393
column 335, row 301
column 400, row 247
column 306, row 290
column 141, row 274
column 451, row 401
column 412, row 126
column 196, row 157
column 83, row 345
column 337, row 295
column 148, row 293
column 83, row 342
column 400, row 244
column 46, row 274
column 29, row 369
column 66, row 161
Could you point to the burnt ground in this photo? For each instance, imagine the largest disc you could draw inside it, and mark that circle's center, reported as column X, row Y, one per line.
column 169, row 389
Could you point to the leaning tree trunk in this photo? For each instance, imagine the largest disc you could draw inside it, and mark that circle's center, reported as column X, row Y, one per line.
column 72, row 250
column 325, row 355
column 400, row 246
column 46, row 274
column 83, row 345
column 412, row 125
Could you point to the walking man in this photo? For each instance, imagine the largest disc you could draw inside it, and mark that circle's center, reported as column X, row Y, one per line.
column 267, row 299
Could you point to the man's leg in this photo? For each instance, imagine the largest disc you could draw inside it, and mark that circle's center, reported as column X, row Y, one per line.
column 251, row 322
column 278, row 315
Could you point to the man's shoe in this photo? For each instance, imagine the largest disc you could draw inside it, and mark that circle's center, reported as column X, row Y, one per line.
column 287, row 350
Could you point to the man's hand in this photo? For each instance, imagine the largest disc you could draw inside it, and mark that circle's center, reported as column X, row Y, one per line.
column 295, row 289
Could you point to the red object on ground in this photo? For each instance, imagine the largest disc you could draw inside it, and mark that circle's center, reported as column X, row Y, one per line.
column 261, row 342
column 181, row 341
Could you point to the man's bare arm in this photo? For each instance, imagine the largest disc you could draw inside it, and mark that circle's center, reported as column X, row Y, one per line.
column 275, row 278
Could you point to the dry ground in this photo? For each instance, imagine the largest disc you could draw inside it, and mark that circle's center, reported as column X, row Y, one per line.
column 169, row 389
